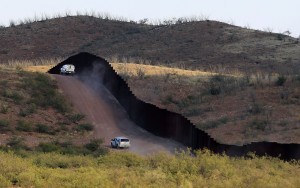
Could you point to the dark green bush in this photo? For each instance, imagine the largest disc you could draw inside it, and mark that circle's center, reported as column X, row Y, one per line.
column 280, row 80
column 85, row 127
column 42, row 128
column 75, row 118
column 16, row 143
column 259, row 124
column 3, row 109
column 48, row 147
column 92, row 148
column 28, row 110
column 94, row 145
column 16, row 97
column 24, row 126
column 213, row 123
column 4, row 125
column 225, row 84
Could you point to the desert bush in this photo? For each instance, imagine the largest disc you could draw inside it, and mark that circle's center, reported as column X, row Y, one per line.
column 3, row 108
column 24, row 126
column 256, row 107
column 48, row 147
column 16, row 97
column 259, row 124
column 94, row 147
column 3, row 83
column 225, row 84
column 188, row 101
column 44, row 92
column 30, row 109
column 16, row 143
column 169, row 99
column 213, row 123
column 94, row 144
column 281, row 80
column 196, row 111
column 42, row 128
column 4, row 125
column 75, row 118
column 85, row 127
column 4, row 182
column 53, row 160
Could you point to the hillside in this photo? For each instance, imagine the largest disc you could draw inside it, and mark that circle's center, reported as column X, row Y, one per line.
column 238, row 102
column 33, row 111
column 204, row 45
column 233, row 108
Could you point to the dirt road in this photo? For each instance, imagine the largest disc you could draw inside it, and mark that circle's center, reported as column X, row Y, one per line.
column 109, row 118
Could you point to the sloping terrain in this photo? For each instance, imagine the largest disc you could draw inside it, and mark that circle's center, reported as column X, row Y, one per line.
column 233, row 109
column 200, row 45
column 32, row 109
column 109, row 118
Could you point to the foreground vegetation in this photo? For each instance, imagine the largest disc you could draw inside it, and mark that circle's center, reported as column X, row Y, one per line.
column 123, row 169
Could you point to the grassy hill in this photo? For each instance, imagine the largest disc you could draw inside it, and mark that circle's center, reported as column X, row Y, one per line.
column 193, row 45
column 248, row 90
column 32, row 110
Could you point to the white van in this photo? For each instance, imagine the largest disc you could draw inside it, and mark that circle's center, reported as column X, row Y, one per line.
column 120, row 142
column 67, row 69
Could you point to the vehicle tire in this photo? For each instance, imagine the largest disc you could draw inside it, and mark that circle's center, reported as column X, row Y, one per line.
column 112, row 146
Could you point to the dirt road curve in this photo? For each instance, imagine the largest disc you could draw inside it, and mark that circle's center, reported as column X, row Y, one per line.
column 109, row 118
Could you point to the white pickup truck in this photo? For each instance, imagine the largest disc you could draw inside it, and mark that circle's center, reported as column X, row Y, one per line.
column 67, row 69
column 120, row 142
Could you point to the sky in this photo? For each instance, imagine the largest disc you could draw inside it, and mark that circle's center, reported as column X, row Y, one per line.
column 272, row 15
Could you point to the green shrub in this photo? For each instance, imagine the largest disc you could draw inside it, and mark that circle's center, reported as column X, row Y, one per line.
column 16, row 143
column 28, row 110
column 4, row 125
column 94, row 145
column 213, row 124
column 92, row 148
column 16, row 97
column 75, row 118
column 225, row 84
column 85, row 127
column 4, row 182
column 42, row 128
column 259, row 124
column 24, row 126
column 3, row 108
column 256, row 108
column 280, row 80
column 54, row 160
column 48, row 147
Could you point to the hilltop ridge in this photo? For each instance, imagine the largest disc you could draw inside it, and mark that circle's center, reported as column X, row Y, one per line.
column 195, row 44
